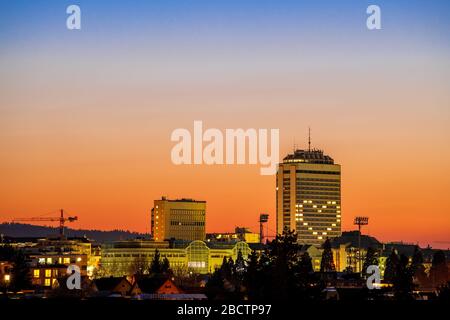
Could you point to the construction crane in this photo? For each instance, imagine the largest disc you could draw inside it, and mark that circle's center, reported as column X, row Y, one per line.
column 62, row 220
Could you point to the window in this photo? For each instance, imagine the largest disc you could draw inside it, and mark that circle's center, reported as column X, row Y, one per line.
column 47, row 283
column 49, row 260
column 48, row 273
column 66, row 260
column 36, row 273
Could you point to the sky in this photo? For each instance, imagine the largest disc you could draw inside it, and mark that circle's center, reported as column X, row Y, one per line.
column 86, row 115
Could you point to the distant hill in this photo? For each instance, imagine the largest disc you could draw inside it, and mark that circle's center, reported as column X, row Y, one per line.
column 19, row 230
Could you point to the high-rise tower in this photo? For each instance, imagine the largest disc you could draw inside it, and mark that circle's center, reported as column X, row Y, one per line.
column 309, row 196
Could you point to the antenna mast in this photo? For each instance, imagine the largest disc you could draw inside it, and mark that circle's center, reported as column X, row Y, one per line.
column 309, row 138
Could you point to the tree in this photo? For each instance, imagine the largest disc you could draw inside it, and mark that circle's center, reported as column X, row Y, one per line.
column 327, row 263
column 390, row 270
column 305, row 264
column 252, row 277
column 139, row 267
column 370, row 259
column 165, row 266
column 239, row 266
column 155, row 266
column 417, row 267
column 20, row 273
column 226, row 268
column 403, row 280
column 439, row 269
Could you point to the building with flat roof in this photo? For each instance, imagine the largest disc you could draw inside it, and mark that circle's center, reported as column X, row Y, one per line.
column 240, row 234
column 308, row 192
column 126, row 257
column 181, row 219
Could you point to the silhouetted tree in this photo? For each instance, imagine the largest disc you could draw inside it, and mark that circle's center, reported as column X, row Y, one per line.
column 403, row 280
column 390, row 270
column 327, row 263
column 239, row 265
column 252, row 277
column 444, row 293
column 439, row 269
column 20, row 273
column 165, row 266
column 305, row 264
column 155, row 265
column 417, row 267
column 370, row 259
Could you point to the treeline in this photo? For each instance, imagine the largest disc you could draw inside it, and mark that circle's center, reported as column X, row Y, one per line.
column 283, row 271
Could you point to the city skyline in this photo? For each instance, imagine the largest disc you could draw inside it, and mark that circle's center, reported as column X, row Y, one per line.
column 86, row 115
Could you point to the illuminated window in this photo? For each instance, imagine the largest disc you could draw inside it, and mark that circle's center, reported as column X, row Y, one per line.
column 319, row 211
column 47, row 283
column 315, row 232
column 319, row 237
column 305, row 223
column 41, row 260
column 36, row 273
column 338, row 215
column 314, row 206
column 324, row 233
column 309, row 228
column 305, row 201
column 7, row 277
column 78, row 259
column 49, row 260
column 333, row 224
column 48, row 273
column 328, row 229
column 66, row 260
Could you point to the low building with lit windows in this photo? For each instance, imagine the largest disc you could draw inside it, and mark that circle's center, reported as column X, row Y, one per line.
column 199, row 257
column 47, row 268
column 239, row 234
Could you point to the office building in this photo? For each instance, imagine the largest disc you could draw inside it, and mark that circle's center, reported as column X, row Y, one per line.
column 181, row 219
column 309, row 196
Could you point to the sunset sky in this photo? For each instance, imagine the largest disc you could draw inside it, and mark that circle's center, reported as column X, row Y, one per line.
column 86, row 115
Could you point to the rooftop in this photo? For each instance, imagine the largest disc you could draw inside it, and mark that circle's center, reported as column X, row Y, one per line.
column 308, row 156
column 182, row 200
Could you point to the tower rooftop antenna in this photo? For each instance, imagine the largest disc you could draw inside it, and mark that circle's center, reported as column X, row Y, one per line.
column 309, row 138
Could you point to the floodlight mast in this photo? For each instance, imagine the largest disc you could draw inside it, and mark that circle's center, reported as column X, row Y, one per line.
column 360, row 221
